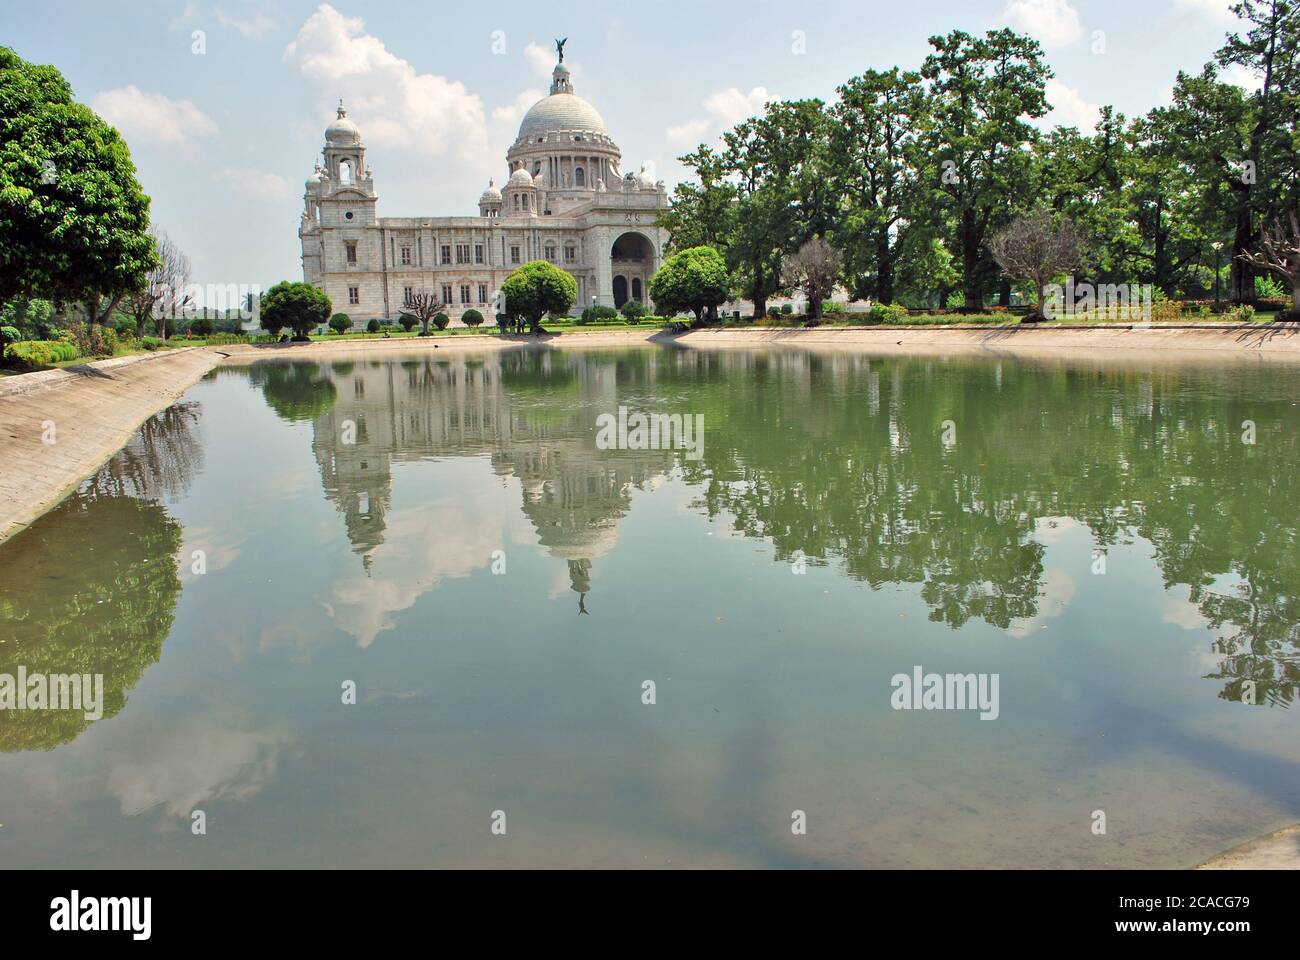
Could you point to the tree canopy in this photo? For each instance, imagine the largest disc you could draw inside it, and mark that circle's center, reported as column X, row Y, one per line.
column 694, row 279
column 297, row 306
column 536, row 289
column 73, row 218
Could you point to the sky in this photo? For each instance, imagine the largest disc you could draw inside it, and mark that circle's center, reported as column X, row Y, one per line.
column 224, row 104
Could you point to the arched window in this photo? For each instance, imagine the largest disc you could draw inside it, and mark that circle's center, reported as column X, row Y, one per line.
column 579, row 178
column 516, row 201
column 550, row 252
column 345, row 171
column 636, row 288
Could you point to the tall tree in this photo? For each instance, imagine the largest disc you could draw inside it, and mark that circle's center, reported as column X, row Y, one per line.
column 872, row 170
column 985, row 93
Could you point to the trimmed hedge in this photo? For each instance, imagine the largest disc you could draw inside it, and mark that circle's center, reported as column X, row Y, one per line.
column 471, row 317
column 40, row 353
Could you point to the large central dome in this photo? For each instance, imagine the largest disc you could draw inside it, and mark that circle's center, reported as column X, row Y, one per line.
column 563, row 110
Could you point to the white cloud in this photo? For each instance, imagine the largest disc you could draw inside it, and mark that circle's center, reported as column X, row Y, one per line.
column 1214, row 9
column 1054, row 22
column 510, row 114
column 392, row 103
column 1243, row 77
column 186, row 18
column 1070, row 109
column 257, row 24
column 257, row 183
column 724, row 109
column 152, row 117
column 540, row 59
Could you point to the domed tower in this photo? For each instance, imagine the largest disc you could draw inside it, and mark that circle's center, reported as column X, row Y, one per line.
column 521, row 198
column 338, row 204
column 563, row 140
column 489, row 205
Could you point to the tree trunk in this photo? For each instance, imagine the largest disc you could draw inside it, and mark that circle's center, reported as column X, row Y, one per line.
column 970, row 256
column 1004, row 294
column 884, row 270
column 1241, row 276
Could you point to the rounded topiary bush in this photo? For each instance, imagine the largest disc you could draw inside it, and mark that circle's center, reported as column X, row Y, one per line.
column 372, row 326
column 409, row 321
column 340, row 322
column 471, row 318
column 440, row 320
column 633, row 311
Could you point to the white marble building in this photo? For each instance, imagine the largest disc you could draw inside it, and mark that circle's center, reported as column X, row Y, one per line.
column 565, row 199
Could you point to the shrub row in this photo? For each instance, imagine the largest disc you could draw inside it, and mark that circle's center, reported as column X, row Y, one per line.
column 40, row 353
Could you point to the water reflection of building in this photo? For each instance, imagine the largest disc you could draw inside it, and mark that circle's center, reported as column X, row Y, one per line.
column 532, row 414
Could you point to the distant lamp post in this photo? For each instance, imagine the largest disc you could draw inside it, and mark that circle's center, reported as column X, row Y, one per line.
column 1218, row 259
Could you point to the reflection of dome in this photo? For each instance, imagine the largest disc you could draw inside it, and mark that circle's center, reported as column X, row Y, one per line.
column 342, row 132
column 521, row 178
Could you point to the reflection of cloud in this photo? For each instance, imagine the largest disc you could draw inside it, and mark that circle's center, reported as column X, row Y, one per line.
column 182, row 766
column 1181, row 612
column 221, row 547
column 447, row 538
column 1058, row 590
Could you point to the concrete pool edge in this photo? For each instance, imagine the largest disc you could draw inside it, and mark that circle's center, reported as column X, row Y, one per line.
column 58, row 427
column 1161, row 342
column 1279, row 850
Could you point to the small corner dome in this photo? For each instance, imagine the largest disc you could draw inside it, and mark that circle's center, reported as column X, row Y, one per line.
column 491, row 193
column 342, row 132
column 644, row 180
column 521, row 178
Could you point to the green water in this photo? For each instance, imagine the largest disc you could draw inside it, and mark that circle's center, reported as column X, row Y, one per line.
column 447, row 535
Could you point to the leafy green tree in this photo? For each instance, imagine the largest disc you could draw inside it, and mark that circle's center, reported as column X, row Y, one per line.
column 704, row 213
column 694, row 279
column 73, row 218
column 873, row 166
column 297, row 306
column 977, row 136
column 536, row 289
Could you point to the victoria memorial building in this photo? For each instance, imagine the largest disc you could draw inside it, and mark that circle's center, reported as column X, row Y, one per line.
column 565, row 199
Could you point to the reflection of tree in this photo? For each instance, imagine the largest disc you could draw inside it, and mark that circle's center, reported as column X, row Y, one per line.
column 159, row 461
column 840, row 459
column 295, row 391
column 89, row 588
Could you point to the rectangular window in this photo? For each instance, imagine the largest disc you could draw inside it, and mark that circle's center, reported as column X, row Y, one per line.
column 569, row 254
column 446, row 253
column 478, row 253
column 514, row 254
column 464, row 293
column 351, row 247
column 482, row 293
column 407, row 294
column 462, row 253
column 446, row 293
column 406, row 256
column 354, row 295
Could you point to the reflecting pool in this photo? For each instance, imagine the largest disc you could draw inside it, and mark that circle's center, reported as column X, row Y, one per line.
column 1115, row 543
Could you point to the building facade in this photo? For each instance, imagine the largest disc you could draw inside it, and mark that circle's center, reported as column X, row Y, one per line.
column 565, row 199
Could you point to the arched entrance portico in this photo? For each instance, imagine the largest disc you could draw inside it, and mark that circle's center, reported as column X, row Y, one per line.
column 632, row 264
